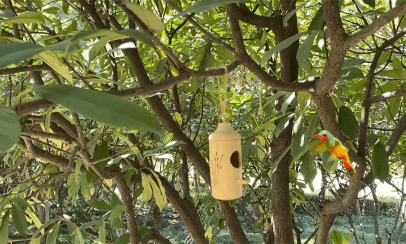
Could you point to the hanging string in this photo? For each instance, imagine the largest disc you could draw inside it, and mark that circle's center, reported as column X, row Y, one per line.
column 223, row 95
column 259, row 92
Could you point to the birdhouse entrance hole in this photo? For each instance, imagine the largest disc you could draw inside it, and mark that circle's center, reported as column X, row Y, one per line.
column 234, row 159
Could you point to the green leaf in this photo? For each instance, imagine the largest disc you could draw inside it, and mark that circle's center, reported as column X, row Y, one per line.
column 395, row 74
column 9, row 129
column 329, row 162
column 20, row 203
column 4, row 228
column 102, row 233
column 102, row 152
column 19, row 220
column 65, row 7
column 308, row 168
column 147, row 192
column 78, row 237
column 11, row 53
column 53, row 235
column 50, row 58
column 351, row 73
column 318, row 20
column 124, row 239
column 143, row 231
column 348, row 123
column 114, row 35
column 178, row 118
column 304, row 52
column 115, row 201
column 298, row 142
column 338, row 238
column 101, row 106
column 43, row 227
column 380, row 166
column 291, row 13
column 383, row 58
column 280, row 46
column 138, row 192
column 147, row 17
column 371, row 3
column 283, row 123
column 160, row 199
column 26, row 18
column 350, row 63
column 160, row 66
column 117, row 211
column 168, row 138
column 101, row 205
column 205, row 5
column 116, row 223
column 289, row 100
column 393, row 108
column 51, row 10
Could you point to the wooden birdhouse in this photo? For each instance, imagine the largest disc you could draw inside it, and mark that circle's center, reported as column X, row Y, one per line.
column 225, row 163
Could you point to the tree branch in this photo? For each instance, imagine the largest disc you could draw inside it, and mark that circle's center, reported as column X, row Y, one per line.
column 40, row 67
column 376, row 25
column 176, row 62
column 35, row 133
column 30, row 107
column 249, row 63
column 368, row 93
column 246, row 16
column 67, row 219
column 386, row 96
column 397, row 133
column 337, row 55
column 172, row 81
column 195, row 24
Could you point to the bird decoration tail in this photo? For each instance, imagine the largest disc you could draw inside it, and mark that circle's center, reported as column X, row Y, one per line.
column 340, row 152
column 348, row 165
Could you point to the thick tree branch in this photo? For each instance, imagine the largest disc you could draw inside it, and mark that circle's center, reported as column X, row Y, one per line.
column 13, row 239
column 45, row 156
column 40, row 67
column 368, row 93
column 91, row 10
column 386, row 96
column 333, row 21
column 397, row 133
column 337, row 55
column 248, row 62
column 30, row 107
column 177, row 63
column 246, row 16
column 129, row 207
column 67, row 219
column 52, row 136
column 376, row 25
column 172, row 81
column 195, row 24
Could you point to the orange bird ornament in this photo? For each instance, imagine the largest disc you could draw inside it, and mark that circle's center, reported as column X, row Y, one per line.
column 332, row 144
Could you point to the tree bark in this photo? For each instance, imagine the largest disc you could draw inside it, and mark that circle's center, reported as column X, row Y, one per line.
column 281, row 215
column 324, row 228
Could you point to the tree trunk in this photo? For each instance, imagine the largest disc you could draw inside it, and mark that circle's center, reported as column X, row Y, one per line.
column 282, row 220
column 326, row 221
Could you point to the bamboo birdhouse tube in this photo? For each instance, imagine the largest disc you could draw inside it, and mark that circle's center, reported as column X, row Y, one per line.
column 225, row 163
